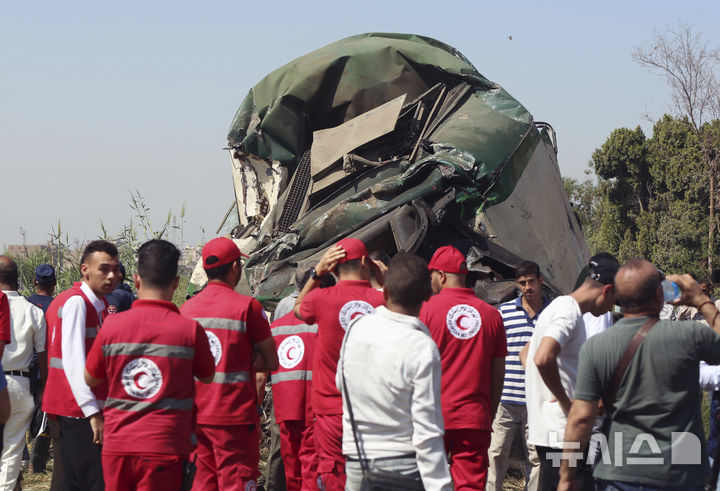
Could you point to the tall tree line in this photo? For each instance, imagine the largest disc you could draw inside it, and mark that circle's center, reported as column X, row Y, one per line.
column 651, row 197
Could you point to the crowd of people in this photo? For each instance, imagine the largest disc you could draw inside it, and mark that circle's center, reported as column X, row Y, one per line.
column 381, row 370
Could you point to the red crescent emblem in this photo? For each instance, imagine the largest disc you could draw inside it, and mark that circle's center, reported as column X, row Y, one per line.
column 355, row 314
column 288, row 353
column 136, row 379
column 458, row 323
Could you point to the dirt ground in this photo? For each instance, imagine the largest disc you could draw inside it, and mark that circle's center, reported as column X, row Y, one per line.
column 41, row 482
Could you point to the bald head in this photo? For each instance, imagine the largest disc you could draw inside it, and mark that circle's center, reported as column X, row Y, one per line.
column 8, row 274
column 636, row 286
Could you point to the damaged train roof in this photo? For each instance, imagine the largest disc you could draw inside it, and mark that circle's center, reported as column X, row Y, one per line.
column 398, row 140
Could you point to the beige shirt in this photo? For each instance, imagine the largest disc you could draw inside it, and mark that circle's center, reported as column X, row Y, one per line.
column 27, row 333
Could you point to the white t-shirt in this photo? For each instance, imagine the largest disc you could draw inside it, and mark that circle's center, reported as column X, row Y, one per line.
column 563, row 322
column 597, row 324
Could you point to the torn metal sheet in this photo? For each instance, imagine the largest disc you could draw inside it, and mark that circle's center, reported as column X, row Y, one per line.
column 330, row 145
column 258, row 183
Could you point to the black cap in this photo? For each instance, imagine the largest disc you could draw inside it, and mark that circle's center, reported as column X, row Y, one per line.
column 603, row 267
column 44, row 273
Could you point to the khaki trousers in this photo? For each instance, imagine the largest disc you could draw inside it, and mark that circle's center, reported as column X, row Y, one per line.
column 509, row 420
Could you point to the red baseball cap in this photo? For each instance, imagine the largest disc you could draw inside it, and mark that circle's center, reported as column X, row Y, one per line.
column 219, row 252
column 449, row 260
column 354, row 249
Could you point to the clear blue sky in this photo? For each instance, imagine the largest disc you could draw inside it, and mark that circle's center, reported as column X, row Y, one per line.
column 100, row 99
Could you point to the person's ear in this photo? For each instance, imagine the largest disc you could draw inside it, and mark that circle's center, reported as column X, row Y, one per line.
column 175, row 283
column 83, row 269
column 137, row 280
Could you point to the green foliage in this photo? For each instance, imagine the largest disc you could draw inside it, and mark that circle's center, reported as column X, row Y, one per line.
column 651, row 198
column 65, row 257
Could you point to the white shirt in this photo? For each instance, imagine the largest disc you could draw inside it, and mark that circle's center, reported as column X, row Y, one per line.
column 392, row 369
column 286, row 305
column 563, row 322
column 27, row 333
column 709, row 376
column 596, row 324
column 74, row 313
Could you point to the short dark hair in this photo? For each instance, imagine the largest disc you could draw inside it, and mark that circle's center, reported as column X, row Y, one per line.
column 350, row 266
column 527, row 268
column 221, row 271
column 302, row 275
column 99, row 246
column 158, row 263
column 8, row 272
column 407, row 281
column 381, row 256
column 47, row 284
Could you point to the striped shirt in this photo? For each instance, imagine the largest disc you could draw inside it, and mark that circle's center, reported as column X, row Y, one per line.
column 518, row 329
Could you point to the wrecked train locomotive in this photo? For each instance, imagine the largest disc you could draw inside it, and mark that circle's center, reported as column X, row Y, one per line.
column 397, row 140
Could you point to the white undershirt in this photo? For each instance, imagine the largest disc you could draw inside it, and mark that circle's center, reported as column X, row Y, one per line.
column 74, row 313
column 27, row 323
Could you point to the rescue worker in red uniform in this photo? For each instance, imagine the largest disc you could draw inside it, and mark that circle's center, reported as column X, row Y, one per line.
column 73, row 321
column 471, row 339
column 291, row 386
column 228, row 444
column 332, row 309
column 150, row 356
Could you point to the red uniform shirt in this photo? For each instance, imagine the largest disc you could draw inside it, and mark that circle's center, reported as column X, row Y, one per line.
column 292, row 381
column 233, row 324
column 4, row 318
column 60, row 400
column 150, row 355
column 469, row 333
column 332, row 309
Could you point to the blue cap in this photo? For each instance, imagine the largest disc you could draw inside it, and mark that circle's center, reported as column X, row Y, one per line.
column 44, row 273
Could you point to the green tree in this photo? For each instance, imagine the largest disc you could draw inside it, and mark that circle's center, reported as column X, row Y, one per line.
column 585, row 199
column 650, row 201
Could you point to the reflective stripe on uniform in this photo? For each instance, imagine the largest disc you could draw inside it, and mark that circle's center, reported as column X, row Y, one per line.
column 231, row 377
column 292, row 375
column 148, row 349
column 56, row 363
column 128, row 405
column 218, row 323
column 59, row 312
column 299, row 329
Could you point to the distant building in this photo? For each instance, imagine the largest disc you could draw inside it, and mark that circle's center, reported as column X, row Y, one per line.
column 21, row 250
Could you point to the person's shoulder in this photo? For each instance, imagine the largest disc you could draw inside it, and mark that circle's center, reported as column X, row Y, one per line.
column 288, row 319
column 35, row 309
column 420, row 347
column 687, row 328
column 563, row 305
column 509, row 306
column 73, row 299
